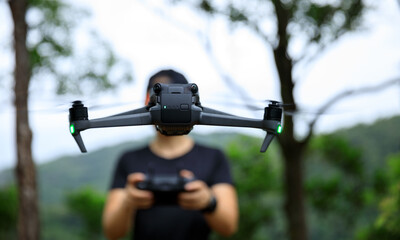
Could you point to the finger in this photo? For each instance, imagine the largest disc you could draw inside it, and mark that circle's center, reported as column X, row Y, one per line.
column 187, row 201
column 189, row 197
column 134, row 178
column 141, row 199
column 194, row 186
column 144, row 204
column 187, row 206
column 140, row 194
column 187, row 174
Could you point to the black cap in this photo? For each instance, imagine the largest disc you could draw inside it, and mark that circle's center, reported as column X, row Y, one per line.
column 174, row 77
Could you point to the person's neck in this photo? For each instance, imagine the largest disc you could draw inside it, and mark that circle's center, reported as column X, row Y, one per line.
column 170, row 147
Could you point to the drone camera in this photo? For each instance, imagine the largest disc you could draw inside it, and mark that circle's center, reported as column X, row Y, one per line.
column 176, row 102
column 175, row 108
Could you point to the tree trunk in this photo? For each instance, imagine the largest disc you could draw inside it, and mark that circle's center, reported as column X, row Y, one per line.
column 293, row 155
column 292, row 149
column 28, row 214
column 294, row 202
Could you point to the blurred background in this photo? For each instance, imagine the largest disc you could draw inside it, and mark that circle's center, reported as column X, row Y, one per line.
column 337, row 62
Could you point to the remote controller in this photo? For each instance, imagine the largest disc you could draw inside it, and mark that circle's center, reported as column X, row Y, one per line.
column 164, row 187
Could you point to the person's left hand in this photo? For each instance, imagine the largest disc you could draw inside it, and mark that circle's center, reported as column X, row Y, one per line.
column 197, row 195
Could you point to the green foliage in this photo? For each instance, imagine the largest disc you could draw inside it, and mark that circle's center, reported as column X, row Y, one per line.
column 393, row 163
column 205, row 5
column 257, row 180
column 328, row 21
column 387, row 224
column 235, row 15
column 323, row 193
column 56, row 55
column 336, row 186
column 87, row 204
column 8, row 212
column 338, row 152
column 389, row 219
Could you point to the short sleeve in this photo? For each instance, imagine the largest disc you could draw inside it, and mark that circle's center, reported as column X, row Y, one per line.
column 120, row 174
column 222, row 171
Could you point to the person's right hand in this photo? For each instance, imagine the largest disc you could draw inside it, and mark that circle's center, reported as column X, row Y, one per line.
column 140, row 199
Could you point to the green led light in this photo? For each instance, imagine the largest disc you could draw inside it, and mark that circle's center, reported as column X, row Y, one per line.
column 165, row 107
column 72, row 128
column 279, row 129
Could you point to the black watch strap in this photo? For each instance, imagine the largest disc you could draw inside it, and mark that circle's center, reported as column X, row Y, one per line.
column 212, row 205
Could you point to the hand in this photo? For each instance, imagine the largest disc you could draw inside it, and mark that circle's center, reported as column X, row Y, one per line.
column 197, row 195
column 139, row 199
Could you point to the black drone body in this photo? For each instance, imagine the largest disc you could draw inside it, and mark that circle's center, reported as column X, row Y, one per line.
column 174, row 109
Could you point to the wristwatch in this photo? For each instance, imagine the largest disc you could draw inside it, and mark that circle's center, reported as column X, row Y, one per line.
column 212, row 205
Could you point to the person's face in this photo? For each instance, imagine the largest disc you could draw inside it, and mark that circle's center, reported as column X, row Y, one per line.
column 161, row 79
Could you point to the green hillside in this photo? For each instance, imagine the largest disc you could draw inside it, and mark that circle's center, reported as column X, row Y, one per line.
column 377, row 141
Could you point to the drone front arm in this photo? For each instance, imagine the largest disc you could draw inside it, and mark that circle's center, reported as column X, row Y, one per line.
column 113, row 121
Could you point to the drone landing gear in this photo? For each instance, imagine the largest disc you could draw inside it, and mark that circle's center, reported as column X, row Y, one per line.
column 267, row 140
column 79, row 141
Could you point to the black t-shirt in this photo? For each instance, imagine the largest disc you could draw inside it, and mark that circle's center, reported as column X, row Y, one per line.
column 172, row 222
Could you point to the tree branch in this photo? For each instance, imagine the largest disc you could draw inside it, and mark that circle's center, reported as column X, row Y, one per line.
column 207, row 45
column 344, row 94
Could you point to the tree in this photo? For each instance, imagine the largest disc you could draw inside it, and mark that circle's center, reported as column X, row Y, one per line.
column 43, row 55
column 28, row 216
column 314, row 24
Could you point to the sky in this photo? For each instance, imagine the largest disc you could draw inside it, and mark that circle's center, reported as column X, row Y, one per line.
column 151, row 36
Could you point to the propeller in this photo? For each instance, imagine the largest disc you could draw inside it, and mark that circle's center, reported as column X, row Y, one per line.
column 62, row 107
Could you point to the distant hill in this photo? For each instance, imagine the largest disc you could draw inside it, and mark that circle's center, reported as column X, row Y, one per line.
column 377, row 140
column 68, row 173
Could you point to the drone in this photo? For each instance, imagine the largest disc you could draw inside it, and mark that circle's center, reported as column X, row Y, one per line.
column 174, row 109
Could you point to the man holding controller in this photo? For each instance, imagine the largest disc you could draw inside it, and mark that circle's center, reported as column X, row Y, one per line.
column 208, row 202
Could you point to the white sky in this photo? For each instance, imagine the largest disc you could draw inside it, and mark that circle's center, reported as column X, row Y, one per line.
column 150, row 42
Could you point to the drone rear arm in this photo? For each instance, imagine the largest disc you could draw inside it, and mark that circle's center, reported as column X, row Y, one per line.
column 235, row 121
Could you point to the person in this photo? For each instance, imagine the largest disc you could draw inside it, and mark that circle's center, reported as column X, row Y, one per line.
column 209, row 203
